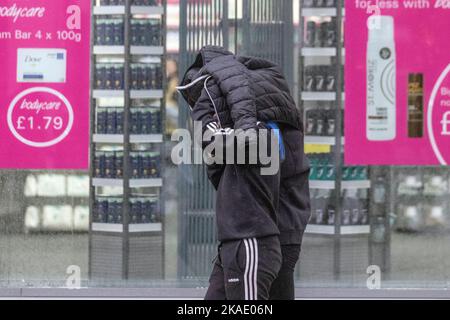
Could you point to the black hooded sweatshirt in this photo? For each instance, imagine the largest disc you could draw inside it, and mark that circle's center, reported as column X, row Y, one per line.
column 241, row 92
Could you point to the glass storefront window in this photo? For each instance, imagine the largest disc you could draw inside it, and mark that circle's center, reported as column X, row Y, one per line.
column 382, row 227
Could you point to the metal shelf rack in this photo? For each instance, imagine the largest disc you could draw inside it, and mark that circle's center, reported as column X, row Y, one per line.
column 312, row 54
column 127, row 251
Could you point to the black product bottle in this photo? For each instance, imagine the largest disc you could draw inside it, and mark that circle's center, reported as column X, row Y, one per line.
column 310, row 122
column 154, row 118
column 109, row 165
column 330, row 83
column 133, row 215
column 330, row 33
column 310, row 35
column 309, row 79
column 155, row 26
column 159, row 76
column 135, row 121
column 143, row 33
column 145, row 121
column 151, row 76
column 363, row 205
column 136, row 165
column 143, row 79
column 109, row 76
column 320, row 123
column 118, row 166
column 111, row 121
column 119, row 77
column 119, row 121
column 146, row 165
column 102, row 120
column 100, row 76
column 134, row 32
column 146, row 212
column 351, row 198
column 100, row 210
column 318, row 38
column 118, row 32
column 155, row 164
column 118, row 212
column 319, row 78
column 331, row 122
column 100, row 32
column 109, row 32
column 99, row 164
column 134, row 77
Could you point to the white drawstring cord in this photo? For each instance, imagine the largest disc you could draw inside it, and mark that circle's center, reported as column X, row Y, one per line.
column 180, row 88
column 212, row 101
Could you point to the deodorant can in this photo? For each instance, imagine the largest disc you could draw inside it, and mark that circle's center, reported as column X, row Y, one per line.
column 381, row 79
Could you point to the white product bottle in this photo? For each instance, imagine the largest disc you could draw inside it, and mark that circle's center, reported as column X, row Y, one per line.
column 381, row 79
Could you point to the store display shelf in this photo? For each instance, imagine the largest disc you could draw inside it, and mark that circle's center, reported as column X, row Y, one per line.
column 356, row 184
column 147, row 10
column 320, row 52
column 329, row 184
column 134, row 183
column 322, row 140
column 147, row 50
column 145, row 227
column 120, row 10
column 115, row 227
column 320, row 12
column 134, row 94
column 319, row 96
column 330, row 230
column 57, row 200
column 118, row 138
column 135, row 50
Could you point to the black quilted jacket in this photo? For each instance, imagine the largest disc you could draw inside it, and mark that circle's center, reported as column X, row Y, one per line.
column 245, row 91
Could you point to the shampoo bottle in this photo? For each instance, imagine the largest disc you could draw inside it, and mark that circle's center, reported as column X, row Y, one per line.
column 381, row 79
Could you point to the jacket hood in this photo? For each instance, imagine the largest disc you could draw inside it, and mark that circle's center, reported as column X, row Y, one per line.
column 205, row 56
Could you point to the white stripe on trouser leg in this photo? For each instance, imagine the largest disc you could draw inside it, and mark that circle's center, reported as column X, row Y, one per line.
column 251, row 270
column 255, row 275
column 247, row 267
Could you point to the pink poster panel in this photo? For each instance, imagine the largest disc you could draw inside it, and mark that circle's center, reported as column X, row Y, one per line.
column 44, row 84
column 397, row 76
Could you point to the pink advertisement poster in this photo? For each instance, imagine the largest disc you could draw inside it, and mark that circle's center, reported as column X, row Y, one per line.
column 397, row 76
column 44, row 81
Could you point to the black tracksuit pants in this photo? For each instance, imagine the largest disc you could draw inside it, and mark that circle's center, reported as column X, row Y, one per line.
column 245, row 269
column 283, row 288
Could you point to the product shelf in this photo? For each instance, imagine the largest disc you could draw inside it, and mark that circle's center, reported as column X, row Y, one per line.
column 134, row 183
column 57, row 201
column 344, row 230
column 128, row 61
column 330, row 184
column 119, row 138
column 320, row 52
column 322, row 140
column 320, row 12
column 319, row 96
column 134, row 94
column 134, row 50
column 134, row 228
column 120, row 10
